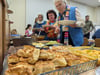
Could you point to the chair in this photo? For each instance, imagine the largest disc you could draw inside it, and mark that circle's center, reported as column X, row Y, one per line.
column 97, row 42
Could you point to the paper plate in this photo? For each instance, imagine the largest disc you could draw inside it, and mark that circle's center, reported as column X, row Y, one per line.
column 66, row 22
column 47, row 26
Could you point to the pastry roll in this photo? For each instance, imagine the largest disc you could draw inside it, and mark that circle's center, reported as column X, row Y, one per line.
column 19, row 70
column 28, row 47
column 43, row 66
column 31, row 67
column 24, row 52
column 35, row 56
column 59, row 62
column 46, row 54
column 13, row 59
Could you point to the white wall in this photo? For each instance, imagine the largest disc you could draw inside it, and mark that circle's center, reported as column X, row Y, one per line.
column 18, row 17
column 97, row 15
column 85, row 10
column 25, row 12
column 34, row 7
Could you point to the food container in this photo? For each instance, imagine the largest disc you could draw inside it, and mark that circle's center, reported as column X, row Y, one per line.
column 73, row 70
column 40, row 37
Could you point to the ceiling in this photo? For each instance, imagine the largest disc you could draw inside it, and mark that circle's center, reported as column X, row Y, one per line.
column 93, row 3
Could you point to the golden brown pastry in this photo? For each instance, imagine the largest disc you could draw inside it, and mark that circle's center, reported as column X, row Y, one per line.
column 23, row 59
column 19, row 70
column 31, row 67
column 21, row 52
column 28, row 47
column 56, row 48
column 24, row 52
column 59, row 62
column 13, row 59
column 84, row 59
column 71, row 56
column 73, row 62
column 43, row 66
column 35, row 56
column 46, row 54
column 11, row 65
column 72, row 59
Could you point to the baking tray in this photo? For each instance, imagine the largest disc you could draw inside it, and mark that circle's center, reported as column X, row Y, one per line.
column 73, row 70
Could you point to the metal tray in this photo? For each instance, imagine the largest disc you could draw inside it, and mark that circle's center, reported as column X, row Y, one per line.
column 73, row 70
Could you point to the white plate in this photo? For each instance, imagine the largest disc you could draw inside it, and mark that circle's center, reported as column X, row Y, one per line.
column 66, row 22
column 47, row 26
column 36, row 28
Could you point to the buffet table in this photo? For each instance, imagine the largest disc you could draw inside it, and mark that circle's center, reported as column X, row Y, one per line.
column 91, row 72
column 13, row 49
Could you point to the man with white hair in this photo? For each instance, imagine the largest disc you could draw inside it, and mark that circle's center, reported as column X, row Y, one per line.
column 70, row 13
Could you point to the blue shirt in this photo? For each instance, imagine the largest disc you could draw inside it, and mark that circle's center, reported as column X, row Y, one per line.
column 76, row 33
column 37, row 25
column 97, row 34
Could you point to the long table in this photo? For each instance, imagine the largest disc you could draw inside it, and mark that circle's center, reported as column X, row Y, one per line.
column 13, row 49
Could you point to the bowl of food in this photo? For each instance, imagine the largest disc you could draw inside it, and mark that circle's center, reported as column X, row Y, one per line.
column 41, row 37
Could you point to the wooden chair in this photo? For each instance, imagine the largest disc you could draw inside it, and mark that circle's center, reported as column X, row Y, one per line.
column 97, row 42
column 85, row 42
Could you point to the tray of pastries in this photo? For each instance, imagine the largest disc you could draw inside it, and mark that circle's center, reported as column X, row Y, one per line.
column 55, row 61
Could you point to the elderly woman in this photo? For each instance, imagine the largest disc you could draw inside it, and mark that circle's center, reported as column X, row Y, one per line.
column 50, row 31
column 66, row 12
column 39, row 23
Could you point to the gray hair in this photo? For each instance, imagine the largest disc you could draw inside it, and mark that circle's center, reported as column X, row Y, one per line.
column 65, row 1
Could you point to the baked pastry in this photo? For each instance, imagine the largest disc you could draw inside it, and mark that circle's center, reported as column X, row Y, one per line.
column 46, row 54
column 13, row 59
column 59, row 61
column 71, row 56
column 25, row 52
column 60, row 48
column 23, row 59
column 28, row 47
column 84, row 59
column 35, row 56
column 43, row 66
column 72, row 59
column 31, row 67
column 19, row 70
